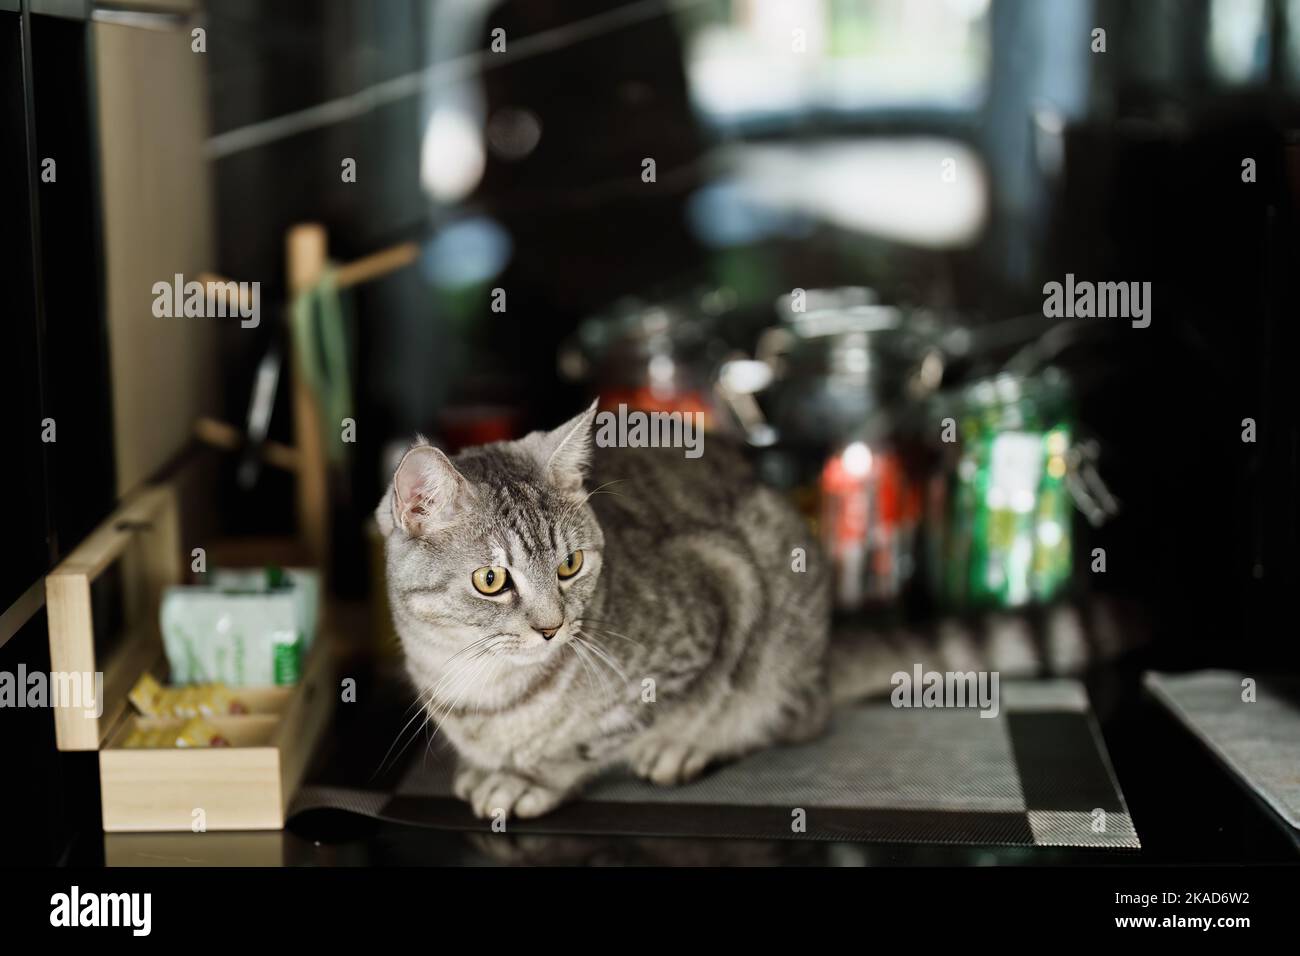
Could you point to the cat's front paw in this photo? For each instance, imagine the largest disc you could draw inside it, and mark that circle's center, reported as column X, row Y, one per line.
column 500, row 792
column 668, row 763
column 466, row 779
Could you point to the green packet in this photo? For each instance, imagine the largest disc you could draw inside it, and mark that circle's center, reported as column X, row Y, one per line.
column 304, row 582
column 243, row 639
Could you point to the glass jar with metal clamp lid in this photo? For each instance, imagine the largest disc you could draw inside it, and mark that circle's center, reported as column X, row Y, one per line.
column 1000, row 508
column 843, row 365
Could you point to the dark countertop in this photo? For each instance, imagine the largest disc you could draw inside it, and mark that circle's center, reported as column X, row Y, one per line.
column 1158, row 765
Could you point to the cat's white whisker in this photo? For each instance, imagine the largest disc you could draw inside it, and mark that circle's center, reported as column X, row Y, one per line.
column 573, row 645
column 465, row 675
column 472, row 671
column 479, row 647
column 492, row 669
column 383, row 764
column 471, row 646
column 427, row 707
column 603, row 654
column 602, row 631
column 588, row 660
column 601, row 489
column 585, row 650
column 471, row 680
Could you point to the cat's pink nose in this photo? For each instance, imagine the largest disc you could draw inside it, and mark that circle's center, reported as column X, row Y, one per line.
column 549, row 632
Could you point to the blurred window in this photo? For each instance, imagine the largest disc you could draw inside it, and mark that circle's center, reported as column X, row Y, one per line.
column 754, row 58
column 1293, row 42
column 1239, row 40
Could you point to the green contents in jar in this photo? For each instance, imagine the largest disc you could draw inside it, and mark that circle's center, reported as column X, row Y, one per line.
column 1006, row 540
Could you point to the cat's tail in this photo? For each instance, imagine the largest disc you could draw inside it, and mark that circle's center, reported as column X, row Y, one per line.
column 1063, row 640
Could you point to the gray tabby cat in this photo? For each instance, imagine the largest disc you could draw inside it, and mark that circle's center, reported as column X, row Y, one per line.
column 654, row 622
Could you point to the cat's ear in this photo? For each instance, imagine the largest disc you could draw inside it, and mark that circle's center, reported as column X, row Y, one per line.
column 565, row 453
column 427, row 494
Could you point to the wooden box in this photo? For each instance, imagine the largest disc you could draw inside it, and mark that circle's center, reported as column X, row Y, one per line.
column 246, row 786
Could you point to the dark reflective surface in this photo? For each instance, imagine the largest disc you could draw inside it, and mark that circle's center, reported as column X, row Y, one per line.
column 1187, row 810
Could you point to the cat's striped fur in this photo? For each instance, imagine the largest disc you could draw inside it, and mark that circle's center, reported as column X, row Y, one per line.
column 686, row 639
column 690, row 635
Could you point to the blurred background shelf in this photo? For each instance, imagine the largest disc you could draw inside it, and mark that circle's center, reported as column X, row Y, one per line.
column 498, row 259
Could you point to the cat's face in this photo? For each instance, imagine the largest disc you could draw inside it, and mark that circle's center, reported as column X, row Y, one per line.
column 496, row 554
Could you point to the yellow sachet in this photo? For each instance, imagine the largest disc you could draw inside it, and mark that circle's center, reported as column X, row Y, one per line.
column 152, row 699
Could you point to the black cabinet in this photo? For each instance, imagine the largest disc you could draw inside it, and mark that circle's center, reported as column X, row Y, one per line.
column 54, row 384
column 57, row 481
column 24, row 544
column 77, row 396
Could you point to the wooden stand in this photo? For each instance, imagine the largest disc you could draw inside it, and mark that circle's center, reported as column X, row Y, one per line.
column 246, row 786
column 306, row 255
column 144, row 536
column 307, row 258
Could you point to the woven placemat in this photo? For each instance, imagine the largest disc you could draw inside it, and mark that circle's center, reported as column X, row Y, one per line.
column 1036, row 774
column 1254, row 729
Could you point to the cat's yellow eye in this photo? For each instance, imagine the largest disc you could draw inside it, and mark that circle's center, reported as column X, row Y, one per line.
column 491, row 580
column 570, row 565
